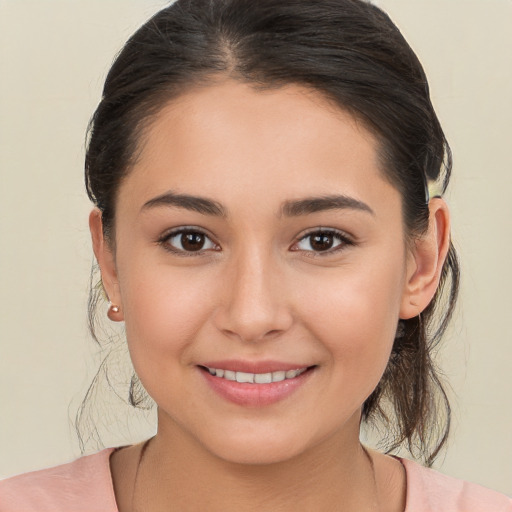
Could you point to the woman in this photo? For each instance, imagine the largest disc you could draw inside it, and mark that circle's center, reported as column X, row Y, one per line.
column 269, row 227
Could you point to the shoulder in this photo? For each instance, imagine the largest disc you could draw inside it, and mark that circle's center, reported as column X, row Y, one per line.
column 431, row 491
column 78, row 486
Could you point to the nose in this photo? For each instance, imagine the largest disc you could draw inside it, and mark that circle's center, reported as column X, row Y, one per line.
column 255, row 302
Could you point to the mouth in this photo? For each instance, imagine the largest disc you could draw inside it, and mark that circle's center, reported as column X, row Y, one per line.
column 256, row 378
column 264, row 386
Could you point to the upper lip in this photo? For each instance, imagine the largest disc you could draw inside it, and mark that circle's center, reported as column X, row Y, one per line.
column 254, row 366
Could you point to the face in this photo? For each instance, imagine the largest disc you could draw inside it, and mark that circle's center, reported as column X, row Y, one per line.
column 256, row 235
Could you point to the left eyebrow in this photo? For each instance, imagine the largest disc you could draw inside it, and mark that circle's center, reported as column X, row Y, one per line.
column 309, row 205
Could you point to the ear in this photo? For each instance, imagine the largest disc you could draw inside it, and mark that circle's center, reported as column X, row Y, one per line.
column 106, row 261
column 426, row 261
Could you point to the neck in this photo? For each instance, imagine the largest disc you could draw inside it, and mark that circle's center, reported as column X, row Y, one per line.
column 176, row 470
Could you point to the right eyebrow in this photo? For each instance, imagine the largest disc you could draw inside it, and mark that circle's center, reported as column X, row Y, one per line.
column 193, row 203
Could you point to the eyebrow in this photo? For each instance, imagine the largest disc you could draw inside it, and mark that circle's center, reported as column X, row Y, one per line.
column 193, row 203
column 291, row 208
column 309, row 205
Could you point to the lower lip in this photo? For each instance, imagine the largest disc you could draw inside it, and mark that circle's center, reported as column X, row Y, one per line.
column 255, row 395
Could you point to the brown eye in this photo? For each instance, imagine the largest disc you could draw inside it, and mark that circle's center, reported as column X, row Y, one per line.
column 323, row 241
column 187, row 240
column 192, row 241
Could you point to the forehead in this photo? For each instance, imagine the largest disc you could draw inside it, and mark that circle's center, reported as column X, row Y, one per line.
column 229, row 140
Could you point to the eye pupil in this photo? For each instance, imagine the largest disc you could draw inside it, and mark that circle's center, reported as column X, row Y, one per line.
column 321, row 242
column 192, row 241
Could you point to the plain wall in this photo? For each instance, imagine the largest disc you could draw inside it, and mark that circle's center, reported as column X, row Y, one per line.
column 54, row 57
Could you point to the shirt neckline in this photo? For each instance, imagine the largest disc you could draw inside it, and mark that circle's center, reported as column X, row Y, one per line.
column 406, row 464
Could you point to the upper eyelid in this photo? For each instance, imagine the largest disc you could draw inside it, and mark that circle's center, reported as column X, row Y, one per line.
column 184, row 229
column 170, row 233
column 326, row 230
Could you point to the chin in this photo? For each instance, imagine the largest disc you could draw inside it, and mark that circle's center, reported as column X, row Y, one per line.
column 250, row 445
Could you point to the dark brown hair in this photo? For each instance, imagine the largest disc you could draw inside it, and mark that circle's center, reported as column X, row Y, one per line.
column 352, row 53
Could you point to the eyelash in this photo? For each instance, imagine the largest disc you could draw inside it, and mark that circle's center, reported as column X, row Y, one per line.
column 343, row 238
column 164, row 241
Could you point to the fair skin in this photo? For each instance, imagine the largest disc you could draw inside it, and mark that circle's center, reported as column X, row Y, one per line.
column 262, row 288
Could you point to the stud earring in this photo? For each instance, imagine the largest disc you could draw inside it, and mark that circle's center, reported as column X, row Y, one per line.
column 113, row 312
column 113, row 308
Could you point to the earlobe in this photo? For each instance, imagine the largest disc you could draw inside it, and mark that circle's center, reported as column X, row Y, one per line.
column 106, row 261
column 426, row 261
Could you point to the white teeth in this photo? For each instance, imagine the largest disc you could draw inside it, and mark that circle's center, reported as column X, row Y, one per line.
column 278, row 376
column 262, row 378
column 244, row 377
column 228, row 374
column 256, row 378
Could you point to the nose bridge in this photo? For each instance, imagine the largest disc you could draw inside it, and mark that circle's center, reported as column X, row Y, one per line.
column 256, row 305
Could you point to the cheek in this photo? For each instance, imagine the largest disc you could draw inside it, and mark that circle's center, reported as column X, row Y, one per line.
column 354, row 314
column 164, row 309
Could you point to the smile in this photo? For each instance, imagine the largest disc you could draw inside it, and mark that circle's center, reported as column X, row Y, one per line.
column 268, row 383
column 256, row 378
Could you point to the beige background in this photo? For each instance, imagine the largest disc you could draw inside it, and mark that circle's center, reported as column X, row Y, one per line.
column 54, row 56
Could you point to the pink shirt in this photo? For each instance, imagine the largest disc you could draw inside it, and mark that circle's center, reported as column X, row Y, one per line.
column 85, row 485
